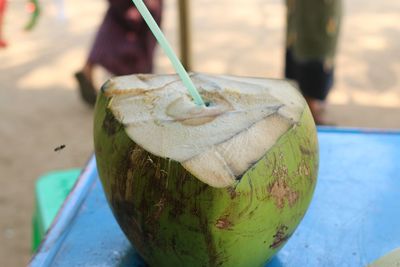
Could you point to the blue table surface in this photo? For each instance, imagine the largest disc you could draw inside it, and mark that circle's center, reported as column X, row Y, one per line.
column 353, row 219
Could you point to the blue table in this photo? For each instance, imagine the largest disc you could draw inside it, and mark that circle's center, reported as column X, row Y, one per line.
column 354, row 217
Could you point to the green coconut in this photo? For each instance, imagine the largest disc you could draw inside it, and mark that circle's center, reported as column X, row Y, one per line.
column 222, row 185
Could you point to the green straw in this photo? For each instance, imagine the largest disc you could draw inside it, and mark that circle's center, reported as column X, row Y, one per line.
column 168, row 50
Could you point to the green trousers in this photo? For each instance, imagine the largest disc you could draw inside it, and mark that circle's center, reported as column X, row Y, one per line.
column 311, row 41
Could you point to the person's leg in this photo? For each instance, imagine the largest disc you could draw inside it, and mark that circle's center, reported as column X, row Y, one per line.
column 311, row 39
column 85, row 82
column 99, row 53
column 88, row 71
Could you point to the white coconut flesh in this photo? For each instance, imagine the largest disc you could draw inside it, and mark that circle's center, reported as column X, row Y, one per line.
column 218, row 143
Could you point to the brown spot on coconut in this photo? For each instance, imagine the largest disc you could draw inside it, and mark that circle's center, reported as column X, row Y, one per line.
column 174, row 172
column 280, row 237
column 224, row 224
column 281, row 192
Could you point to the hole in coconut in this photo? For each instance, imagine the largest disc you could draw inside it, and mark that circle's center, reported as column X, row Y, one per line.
column 209, row 103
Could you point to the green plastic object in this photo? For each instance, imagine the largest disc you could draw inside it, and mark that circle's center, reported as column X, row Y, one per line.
column 51, row 189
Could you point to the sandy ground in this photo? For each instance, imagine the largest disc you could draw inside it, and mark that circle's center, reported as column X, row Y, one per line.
column 41, row 110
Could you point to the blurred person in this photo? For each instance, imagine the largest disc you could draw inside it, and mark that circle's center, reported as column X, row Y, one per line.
column 3, row 6
column 33, row 8
column 124, row 45
column 311, row 40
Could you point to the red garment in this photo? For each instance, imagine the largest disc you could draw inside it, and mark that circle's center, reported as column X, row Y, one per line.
column 124, row 44
column 3, row 4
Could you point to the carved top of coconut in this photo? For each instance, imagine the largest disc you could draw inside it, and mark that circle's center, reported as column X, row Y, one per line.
column 243, row 119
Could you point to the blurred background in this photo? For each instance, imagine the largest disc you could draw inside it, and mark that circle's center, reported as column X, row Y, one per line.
column 41, row 108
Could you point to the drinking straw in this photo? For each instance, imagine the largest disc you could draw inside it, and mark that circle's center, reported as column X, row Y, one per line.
column 168, row 50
